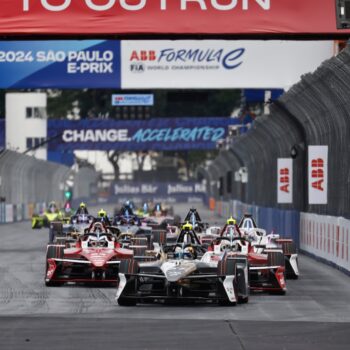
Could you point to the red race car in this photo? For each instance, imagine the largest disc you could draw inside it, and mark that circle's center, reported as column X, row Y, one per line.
column 94, row 257
column 266, row 271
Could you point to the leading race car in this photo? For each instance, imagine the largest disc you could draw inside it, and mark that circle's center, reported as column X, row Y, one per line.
column 94, row 257
column 181, row 274
column 261, row 241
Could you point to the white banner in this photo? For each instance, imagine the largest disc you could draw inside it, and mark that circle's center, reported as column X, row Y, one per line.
column 327, row 237
column 219, row 63
column 318, row 174
column 284, row 180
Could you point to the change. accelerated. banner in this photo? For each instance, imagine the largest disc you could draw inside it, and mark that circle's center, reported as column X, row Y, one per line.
column 154, row 134
column 60, row 64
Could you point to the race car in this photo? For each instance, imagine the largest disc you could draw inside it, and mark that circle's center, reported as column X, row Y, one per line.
column 261, row 241
column 266, row 270
column 159, row 218
column 126, row 217
column 51, row 214
column 94, row 257
column 180, row 274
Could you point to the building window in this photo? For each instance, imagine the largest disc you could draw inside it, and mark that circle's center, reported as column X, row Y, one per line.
column 32, row 142
column 29, row 142
column 36, row 112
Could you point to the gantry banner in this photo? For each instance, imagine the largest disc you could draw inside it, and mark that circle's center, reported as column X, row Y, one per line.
column 86, row 17
column 166, row 134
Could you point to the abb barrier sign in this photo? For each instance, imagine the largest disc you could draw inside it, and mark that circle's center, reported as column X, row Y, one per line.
column 284, row 180
column 86, row 17
column 318, row 174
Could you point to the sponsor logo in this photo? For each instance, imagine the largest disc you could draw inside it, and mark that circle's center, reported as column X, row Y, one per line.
column 123, row 189
column 133, row 100
column 185, row 59
column 179, row 134
column 179, row 188
column 91, row 135
column 317, row 174
column 284, row 180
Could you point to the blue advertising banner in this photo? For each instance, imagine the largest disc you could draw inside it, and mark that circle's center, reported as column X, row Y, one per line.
column 154, row 134
column 2, row 133
column 191, row 192
column 60, row 64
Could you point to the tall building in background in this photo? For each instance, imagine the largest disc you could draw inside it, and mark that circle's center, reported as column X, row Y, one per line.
column 26, row 122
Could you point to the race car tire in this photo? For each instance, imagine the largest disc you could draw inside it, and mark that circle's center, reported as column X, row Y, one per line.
column 159, row 236
column 56, row 231
column 128, row 266
column 46, row 222
column 54, row 251
column 139, row 252
column 289, row 248
column 243, row 300
column 275, row 259
column 140, row 241
column 126, row 302
column 177, row 220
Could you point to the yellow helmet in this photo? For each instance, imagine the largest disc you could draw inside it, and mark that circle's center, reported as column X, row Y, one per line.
column 231, row 221
column 82, row 205
column 102, row 213
column 187, row 226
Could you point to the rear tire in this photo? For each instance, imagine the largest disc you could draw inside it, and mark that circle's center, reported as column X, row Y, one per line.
column 289, row 248
column 275, row 259
column 177, row 220
column 128, row 266
column 126, row 302
column 159, row 236
column 243, row 300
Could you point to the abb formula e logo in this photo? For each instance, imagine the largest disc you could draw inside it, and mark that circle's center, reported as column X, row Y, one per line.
column 174, row 58
column 137, row 5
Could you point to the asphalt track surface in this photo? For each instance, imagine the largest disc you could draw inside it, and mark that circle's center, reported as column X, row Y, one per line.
column 314, row 314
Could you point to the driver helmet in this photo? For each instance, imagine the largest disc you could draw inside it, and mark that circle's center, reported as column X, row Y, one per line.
column 67, row 208
column 187, row 226
column 82, row 209
column 82, row 219
column 187, row 253
column 145, row 207
column 231, row 221
column 52, row 207
column 102, row 213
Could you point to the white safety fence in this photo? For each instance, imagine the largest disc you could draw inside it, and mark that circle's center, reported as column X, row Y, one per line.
column 14, row 213
column 326, row 237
